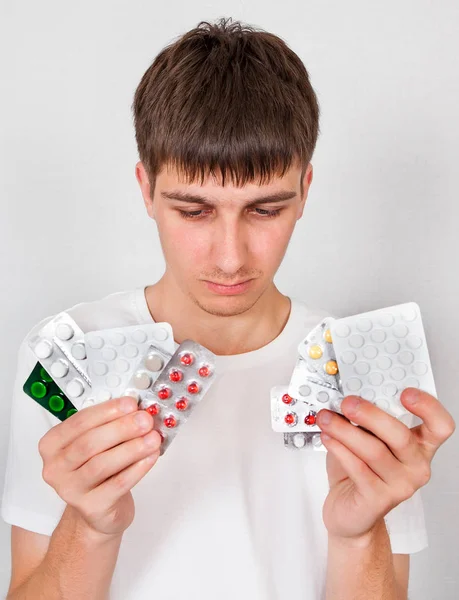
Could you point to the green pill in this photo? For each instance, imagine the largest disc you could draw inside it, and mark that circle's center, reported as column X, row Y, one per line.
column 71, row 412
column 38, row 389
column 44, row 375
column 56, row 403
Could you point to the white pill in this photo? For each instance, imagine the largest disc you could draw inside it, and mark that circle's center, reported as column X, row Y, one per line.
column 298, row 440
column 370, row 352
column 87, row 402
column 390, row 389
column 95, row 341
column 323, row 397
column 74, row 388
column 139, row 336
column 378, row 336
column 348, row 357
column 118, row 339
column 356, row 341
column 386, row 320
column 336, row 403
column 362, row 368
column 384, row 362
column 59, row 369
column 376, row 378
column 382, row 404
column 64, row 331
column 411, row 382
column 112, row 380
column 121, row 365
column 406, row 357
column 130, row 351
column 103, row 395
column 43, row 349
column 398, row 373
column 78, row 351
column 342, row 330
column 419, row 368
column 364, row 325
column 353, row 384
column 109, row 354
column 141, row 380
column 316, row 440
column 409, row 314
column 368, row 394
column 154, row 362
column 161, row 334
column 99, row 368
column 400, row 330
column 304, row 390
column 392, row 347
column 413, row 342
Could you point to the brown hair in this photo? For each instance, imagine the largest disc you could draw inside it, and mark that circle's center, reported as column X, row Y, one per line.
column 226, row 97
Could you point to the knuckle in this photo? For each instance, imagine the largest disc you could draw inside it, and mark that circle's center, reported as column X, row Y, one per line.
column 119, row 481
column 47, row 474
column 424, row 475
column 377, row 453
column 404, row 440
column 95, row 469
column 405, row 490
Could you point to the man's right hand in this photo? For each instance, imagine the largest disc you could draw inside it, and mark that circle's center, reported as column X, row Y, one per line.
column 95, row 457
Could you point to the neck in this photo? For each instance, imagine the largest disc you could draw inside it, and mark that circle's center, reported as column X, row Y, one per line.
column 222, row 335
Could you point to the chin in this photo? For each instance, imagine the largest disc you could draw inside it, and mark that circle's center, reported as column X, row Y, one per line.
column 226, row 306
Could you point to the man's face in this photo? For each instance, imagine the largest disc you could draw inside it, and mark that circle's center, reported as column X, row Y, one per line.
column 223, row 245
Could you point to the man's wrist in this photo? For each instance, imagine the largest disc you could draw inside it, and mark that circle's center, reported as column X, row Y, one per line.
column 89, row 536
column 360, row 542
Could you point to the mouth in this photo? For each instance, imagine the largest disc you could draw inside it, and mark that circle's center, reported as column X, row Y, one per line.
column 229, row 290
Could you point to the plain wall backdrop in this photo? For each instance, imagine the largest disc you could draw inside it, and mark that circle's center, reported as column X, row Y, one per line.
column 381, row 221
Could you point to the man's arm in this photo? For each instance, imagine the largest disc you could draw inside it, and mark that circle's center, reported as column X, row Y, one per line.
column 366, row 570
column 76, row 562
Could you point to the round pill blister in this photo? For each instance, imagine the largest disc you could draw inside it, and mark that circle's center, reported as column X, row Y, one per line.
column 74, row 388
column 323, row 397
column 390, row 389
column 400, row 330
column 286, row 399
column 78, row 351
column 376, row 378
column 413, row 342
column 383, row 362
column 298, row 440
column 386, row 320
column 364, row 325
column 419, row 368
column 356, row 341
column 342, row 330
column 139, row 336
column 154, row 362
column 316, row 441
column 64, row 331
column 193, row 388
column 382, row 403
column 121, row 365
column 38, row 389
column 204, row 371
column 368, row 394
column 59, row 369
column 99, row 368
column 310, row 419
column 291, row 419
column 353, row 384
column 398, row 373
column 170, row 422
column 113, row 380
column 160, row 334
column 182, row 403
column 104, row 395
column 164, row 393
column 378, row 336
column 412, row 382
column 109, row 354
column 88, row 402
column 153, row 409
column 370, row 352
column 392, row 346
column 328, row 336
column 362, row 368
column 118, row 339
column 315, row 351
column 406, row 357
column 304, row 390
column 187, row 359
column 95, row 341
column 348, row 357
column 409, row 313
column 175, row 375
column 130, row 351
column 331, row 367
column 141, row 380
column 43, row 349
column 56, row 403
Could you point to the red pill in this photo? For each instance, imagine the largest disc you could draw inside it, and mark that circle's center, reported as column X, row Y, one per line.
column 286, row 399
column 290, row 419
column 193, row 388
column 310, row 419
column 182, row 404
column 153, row 409
column 164, row 393
column 204, row 371
column 170, row 422
column 187, row 359
column 175, row 375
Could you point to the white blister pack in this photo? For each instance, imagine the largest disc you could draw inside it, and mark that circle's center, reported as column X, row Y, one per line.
column 182, row 383
column 382, row 352
column 289, row 414
column 297, row 441
column 318, row 353
column 303, row 386
column 60, row 348
column 114, row 353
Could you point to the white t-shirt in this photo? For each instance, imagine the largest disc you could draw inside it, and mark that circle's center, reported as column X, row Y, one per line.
column 227, row 512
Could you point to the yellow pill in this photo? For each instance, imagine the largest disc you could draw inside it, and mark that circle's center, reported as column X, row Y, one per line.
column 331, row 367
column 327, row 336
column 315, row 352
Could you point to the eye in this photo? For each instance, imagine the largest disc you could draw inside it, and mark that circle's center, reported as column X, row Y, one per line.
column 193, row 214
column 268, row 213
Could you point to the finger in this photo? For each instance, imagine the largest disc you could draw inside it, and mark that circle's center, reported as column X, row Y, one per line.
column 356, row 469
column 99, row 439
column 64, row 433
column 438, row 424
column 396, row 435
column 101, row 467
column 365, row 446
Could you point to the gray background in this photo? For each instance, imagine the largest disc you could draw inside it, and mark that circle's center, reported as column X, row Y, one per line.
column 380, row 227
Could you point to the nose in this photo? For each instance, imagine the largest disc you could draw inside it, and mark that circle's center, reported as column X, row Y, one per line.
column 230, row 248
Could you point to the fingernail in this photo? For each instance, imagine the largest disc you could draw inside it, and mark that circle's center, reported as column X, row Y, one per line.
column 325, row 417
column 151, row 439
column 141, row 419
column 412, row 396
column 353, row 404
column 127, row 404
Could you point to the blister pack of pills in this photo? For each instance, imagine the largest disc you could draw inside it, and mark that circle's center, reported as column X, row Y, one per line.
column 304, row 386
column 382, row 352
column 289, row 414
column 171, row 397
column 300, row 440
column 114, row 353
column 59, row 347
column 41, row 387
column 318, row 353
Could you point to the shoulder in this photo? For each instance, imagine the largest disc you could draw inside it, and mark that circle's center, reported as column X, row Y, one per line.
column 308, row 316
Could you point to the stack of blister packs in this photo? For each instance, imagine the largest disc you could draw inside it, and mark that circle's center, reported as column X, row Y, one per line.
column 375, row 355
column 77, row 369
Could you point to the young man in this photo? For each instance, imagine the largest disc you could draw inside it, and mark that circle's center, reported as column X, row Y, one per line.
column 226, row 124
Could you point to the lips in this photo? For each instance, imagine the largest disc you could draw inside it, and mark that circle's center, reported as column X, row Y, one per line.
column 228, row 290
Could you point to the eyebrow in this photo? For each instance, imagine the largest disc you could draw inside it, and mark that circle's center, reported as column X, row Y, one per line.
column 196, row 199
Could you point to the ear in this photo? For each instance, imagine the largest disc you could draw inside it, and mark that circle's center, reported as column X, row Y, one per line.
column 145, row 188
column 307, row 180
